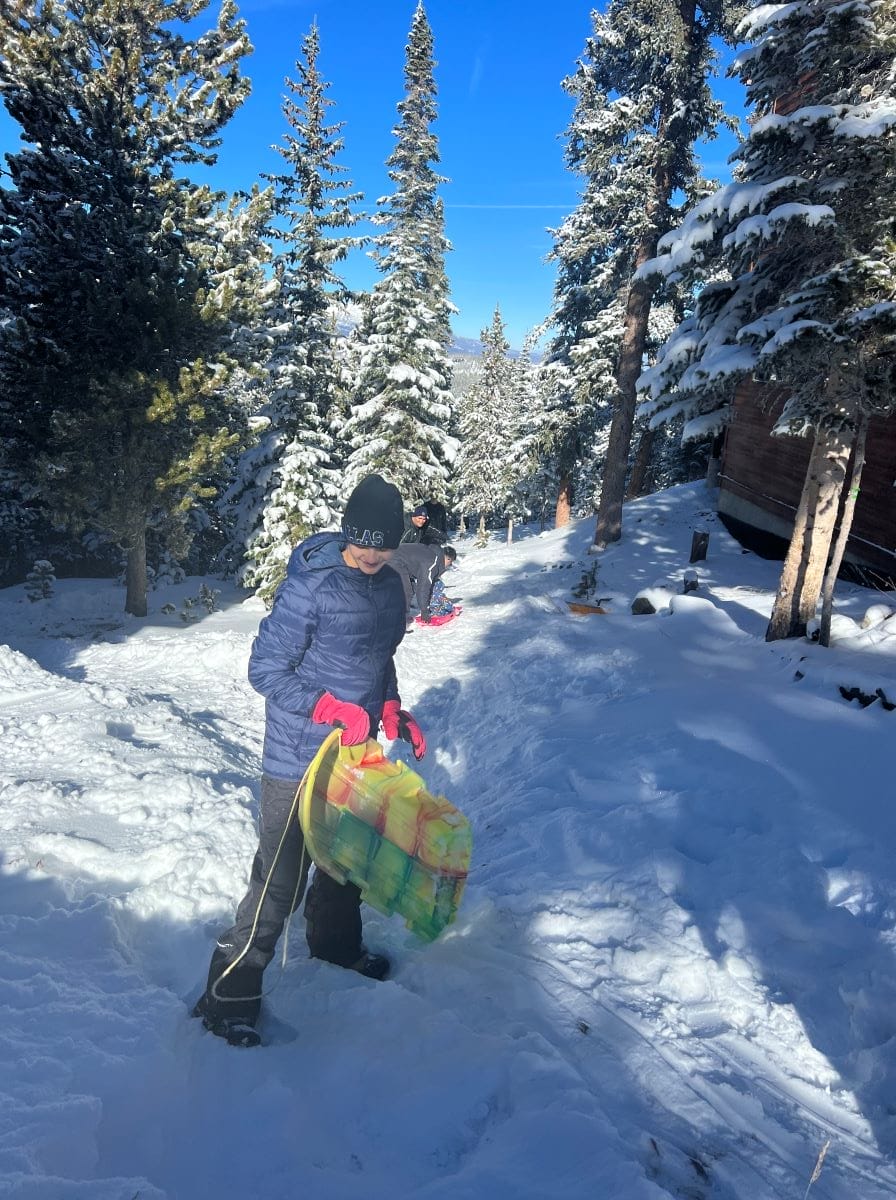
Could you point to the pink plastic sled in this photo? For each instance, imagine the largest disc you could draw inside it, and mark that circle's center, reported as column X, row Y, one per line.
column 441, row 620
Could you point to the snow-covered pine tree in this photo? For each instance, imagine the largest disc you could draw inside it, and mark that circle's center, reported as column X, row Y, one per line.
column 804, row 241
column 577, row 376
column 659, row 458
column 594, row 265
column 586, row 319
column 643, row 99
column 523, row 484
column 482, row 483
column 40, row 581
column 17, row 518
column 115, row 368
column 541, row 486
column 198, row 532
column 288, row 484
column 399, row 426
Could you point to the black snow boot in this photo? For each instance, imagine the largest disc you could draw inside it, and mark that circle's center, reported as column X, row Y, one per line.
column 230, row 1005
column 234, row 1030
column 372, row 966
column 235, row 1033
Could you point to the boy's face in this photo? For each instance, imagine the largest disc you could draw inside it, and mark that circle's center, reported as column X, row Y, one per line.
column 365, row 558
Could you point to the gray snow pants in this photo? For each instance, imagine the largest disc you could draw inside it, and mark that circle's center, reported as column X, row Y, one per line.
column 332, row 911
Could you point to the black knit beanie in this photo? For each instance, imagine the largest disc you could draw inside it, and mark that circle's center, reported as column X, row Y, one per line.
column 374, row 515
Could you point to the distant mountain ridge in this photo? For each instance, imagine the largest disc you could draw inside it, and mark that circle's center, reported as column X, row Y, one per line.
column 465, row 345
column 465, row 352
column 472, row 346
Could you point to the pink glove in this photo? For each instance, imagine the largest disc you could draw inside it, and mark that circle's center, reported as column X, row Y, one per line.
column 398, row 722
column 353, row 718
column 389, row 719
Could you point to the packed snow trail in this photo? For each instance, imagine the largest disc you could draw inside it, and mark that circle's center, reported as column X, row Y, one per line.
column 580, row 932
column 672, row 973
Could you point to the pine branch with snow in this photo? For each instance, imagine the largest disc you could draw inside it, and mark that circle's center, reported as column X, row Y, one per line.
column 116, row 360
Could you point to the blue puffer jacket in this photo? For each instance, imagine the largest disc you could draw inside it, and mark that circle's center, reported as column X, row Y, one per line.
column 332, row 629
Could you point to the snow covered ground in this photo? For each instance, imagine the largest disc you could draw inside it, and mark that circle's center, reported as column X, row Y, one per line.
column 673, row 971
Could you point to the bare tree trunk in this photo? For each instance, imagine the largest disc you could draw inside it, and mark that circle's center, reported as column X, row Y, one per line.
column 821, row 530
column 564, row 502
column 462, row 526
column 509, row 530
column 803, row 572
column 641, row 465
column 135, row 597
column 846, row 517
column 783, row 616
column 631, row 357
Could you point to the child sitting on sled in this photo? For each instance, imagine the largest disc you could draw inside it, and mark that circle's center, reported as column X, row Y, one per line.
column 439, row 604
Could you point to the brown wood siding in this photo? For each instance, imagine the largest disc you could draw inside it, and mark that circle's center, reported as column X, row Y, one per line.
column 762, row 476
column 802, row 93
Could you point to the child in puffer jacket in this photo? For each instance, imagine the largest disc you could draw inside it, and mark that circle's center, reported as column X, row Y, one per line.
column 323, row 657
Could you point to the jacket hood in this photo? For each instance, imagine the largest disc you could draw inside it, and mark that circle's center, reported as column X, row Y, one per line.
column 318, row 552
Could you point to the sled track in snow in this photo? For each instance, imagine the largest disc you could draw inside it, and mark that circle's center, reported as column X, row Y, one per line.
column 696, row 1117
column 739, row 1133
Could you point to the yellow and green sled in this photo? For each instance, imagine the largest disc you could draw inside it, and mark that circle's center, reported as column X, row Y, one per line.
column 372, row 821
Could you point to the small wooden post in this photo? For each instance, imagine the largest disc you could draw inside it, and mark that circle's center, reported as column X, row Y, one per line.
column 699, row 545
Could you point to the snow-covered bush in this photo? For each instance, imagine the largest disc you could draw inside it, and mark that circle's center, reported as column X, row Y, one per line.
column 40, row 580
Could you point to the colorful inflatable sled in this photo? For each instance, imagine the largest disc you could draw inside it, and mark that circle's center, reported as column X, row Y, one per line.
column 371, row 820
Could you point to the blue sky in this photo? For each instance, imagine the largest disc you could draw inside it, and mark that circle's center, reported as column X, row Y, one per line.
column 502, row 113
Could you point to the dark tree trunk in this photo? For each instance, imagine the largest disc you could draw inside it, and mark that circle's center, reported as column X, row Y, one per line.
column 631, row 359
column 608, row 527
column 637, row 484
column 135, row 599
column 564, row 503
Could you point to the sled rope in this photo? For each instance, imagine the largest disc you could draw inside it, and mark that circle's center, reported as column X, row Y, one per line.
column 231, row 966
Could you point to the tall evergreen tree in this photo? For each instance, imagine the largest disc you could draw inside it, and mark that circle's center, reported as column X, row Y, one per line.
column 399, row 426
column 289, row 483
column 486, row 421
column 643, row 99
column 234, row 261
column 586, row 321
column 521, row 452
column 660, row 457
column 804, row 243
column 116, row 360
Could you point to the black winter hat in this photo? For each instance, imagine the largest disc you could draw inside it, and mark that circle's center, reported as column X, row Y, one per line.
column 374, row 514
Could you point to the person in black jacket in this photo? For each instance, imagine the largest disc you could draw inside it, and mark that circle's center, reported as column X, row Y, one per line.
column 323, row 657
column 418, row 567
column 422, row 530
column 438, row 515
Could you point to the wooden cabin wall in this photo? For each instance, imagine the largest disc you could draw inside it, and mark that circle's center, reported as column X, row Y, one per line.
column 761, row 477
